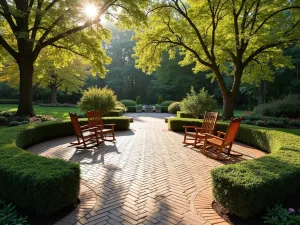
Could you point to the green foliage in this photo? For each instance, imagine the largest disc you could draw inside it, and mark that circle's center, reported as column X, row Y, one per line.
column 138, row 100
column 114, row 113
column 103, row 100
column 37, row 184
column 281, row 216
column 181, row 114
column 58, row 105
column 128, row 102
column 197, row 103
column 120, row 106
column 249, row 187
column 176, row 124
column 3, row 119
column 121, row 123
column 131, row 108
column 294, row 123
column 167, row 103
column 174, row 107
column 288, row 106
column 160, row 100
column 14, row 123
column 9, row 101
column 10, row 216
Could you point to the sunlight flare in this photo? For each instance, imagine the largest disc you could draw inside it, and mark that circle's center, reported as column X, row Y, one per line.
column 90, row 10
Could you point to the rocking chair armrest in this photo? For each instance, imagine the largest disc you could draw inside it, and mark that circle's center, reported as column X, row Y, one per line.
column 208, row 136
column 191, row 127
column 206, row 129
column 91, row 129
column 221, row 133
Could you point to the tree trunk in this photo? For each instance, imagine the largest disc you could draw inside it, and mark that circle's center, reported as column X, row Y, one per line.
column 25, row 100
column 228, row 106
column 53, row 95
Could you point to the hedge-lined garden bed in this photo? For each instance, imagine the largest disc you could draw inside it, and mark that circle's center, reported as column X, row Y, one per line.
column 249, row 187
column 38, row 184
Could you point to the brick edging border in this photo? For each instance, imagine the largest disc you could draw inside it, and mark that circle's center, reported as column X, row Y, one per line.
column 87, row 203
column 202, row 204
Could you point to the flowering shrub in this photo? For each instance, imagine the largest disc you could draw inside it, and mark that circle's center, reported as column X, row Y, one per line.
column 279, row 216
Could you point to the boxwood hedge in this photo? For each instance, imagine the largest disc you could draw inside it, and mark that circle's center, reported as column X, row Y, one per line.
column 37, row 184
column 248, row 187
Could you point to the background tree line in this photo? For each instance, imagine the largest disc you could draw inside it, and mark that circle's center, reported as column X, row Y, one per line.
column 170, row 80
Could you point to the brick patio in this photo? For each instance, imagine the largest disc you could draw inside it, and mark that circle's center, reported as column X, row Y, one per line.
column 146, row 177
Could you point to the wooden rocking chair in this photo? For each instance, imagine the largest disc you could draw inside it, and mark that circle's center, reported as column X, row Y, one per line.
column 86, row 137
column 214, row 145
column 95, row 120
column 208, row 126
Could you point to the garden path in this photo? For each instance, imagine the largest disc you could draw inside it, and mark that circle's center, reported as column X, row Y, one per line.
column 147, row 177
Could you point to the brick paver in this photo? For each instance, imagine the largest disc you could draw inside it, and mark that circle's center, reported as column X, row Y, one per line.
column 147, row 177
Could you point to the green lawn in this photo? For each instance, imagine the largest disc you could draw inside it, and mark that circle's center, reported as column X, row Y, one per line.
column 56, row 112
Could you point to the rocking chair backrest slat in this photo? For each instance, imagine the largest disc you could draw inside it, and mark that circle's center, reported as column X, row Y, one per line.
column 75, row 123
column 232, row 130
column 209, row 122
column 94, row 118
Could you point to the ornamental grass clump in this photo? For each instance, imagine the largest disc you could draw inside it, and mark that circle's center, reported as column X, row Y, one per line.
column 94, row 98
column 196, row 104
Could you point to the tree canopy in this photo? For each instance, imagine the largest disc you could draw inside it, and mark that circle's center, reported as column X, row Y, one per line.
column 224, row 37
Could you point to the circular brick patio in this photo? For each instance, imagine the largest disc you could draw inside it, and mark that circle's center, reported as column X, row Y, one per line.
column 146, row 177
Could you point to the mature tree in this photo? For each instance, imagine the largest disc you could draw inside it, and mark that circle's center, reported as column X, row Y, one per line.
column 28, row 26
column 54, row 69
column 223, row 36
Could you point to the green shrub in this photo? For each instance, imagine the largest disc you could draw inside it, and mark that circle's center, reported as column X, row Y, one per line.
column 10, row 216
column 37, row 184
column 9, row 101
column 58, row 105
column 20, row 118
column 120, row 106
column 164, row 109
column 174, row 107
column 121, row 123
column 128, row 102
column 14, row 123
column 159, row 100
column 249, row 187
column 196, row 104
column 250, row 122
column 181, row 114
column 3, row 119
column 294, row 123
column 103, row 100
column 167, row 103
column 114, row 113
column 131, row 108
column 261, row 123
column 176, row 124
column 138, row 100
column 8, row 114
column 81, row 115
column 274, row 123
column 281, row 216
column 288, row 106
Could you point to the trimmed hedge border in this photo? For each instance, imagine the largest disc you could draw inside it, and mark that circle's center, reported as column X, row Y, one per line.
column 37, row 184
column 247, row 188
column 131, row 108
column 114, row 113
column 181, row 114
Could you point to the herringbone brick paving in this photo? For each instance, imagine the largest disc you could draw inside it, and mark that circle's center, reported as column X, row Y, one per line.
column 146, row 177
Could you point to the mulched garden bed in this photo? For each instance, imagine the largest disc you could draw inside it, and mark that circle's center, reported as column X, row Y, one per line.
column 292, row 202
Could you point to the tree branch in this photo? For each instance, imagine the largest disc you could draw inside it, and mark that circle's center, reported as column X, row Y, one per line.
column 8, row 48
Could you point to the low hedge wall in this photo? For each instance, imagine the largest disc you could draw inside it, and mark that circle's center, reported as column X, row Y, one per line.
column 37, row 184
column 181, row 114
column 9, row 101
column 164, row 109
column 247, row 188
column 114, row 113
column 131, row 108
